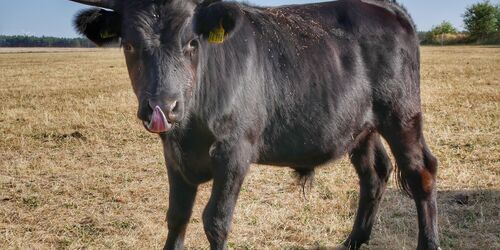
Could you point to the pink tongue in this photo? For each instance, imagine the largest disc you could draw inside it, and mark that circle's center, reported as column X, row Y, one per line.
column 158, row 123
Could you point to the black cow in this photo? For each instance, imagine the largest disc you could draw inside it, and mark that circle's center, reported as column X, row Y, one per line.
column 226, row 84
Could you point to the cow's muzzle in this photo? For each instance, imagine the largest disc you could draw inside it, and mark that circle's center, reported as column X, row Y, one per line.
column 164, row 115
column 158, row 122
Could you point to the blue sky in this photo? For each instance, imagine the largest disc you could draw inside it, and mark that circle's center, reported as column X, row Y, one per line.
column 53, row 17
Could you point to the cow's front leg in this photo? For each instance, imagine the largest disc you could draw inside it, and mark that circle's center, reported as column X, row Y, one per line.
column 230, row 165
column 181, row 200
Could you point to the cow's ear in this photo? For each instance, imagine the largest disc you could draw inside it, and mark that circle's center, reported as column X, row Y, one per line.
column 99, row 25
column 216, row 21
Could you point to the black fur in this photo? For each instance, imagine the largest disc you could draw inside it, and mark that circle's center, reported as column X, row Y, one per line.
column 99, row 25
column 294, row 86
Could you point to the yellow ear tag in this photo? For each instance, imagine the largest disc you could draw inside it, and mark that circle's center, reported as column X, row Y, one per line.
column 217, row 35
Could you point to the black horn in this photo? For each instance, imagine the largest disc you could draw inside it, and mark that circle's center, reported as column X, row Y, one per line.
column 108, row 4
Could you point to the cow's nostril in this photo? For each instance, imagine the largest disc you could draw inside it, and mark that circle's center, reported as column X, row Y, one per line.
column 173, row 111
column 173, row 107
column 153, row 103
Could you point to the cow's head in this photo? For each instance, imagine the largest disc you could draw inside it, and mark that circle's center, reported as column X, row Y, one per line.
column 162, row 41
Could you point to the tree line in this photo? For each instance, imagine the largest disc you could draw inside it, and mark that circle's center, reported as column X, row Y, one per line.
column 481, row 22
column 44, row 41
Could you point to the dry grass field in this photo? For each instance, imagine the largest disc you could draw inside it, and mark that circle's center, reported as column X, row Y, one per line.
column 77, row 169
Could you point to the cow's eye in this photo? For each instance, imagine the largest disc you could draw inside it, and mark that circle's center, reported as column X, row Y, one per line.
column 128, row 47
column 192, row 45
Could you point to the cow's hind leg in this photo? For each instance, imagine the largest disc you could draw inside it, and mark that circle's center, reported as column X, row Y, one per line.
column 417, row 174
column 373, row 168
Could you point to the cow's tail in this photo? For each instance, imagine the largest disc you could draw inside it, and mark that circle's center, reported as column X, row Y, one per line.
column 401, row 181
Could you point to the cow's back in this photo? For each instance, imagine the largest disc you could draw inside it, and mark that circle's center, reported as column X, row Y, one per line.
column 326, row 65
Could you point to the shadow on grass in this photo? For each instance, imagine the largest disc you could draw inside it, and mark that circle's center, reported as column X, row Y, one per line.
column 468, row 219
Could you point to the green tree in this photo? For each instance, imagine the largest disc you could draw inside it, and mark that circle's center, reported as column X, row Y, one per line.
column 437, row 33
column 498, row 17
column 480, row 20
column 444, row 28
